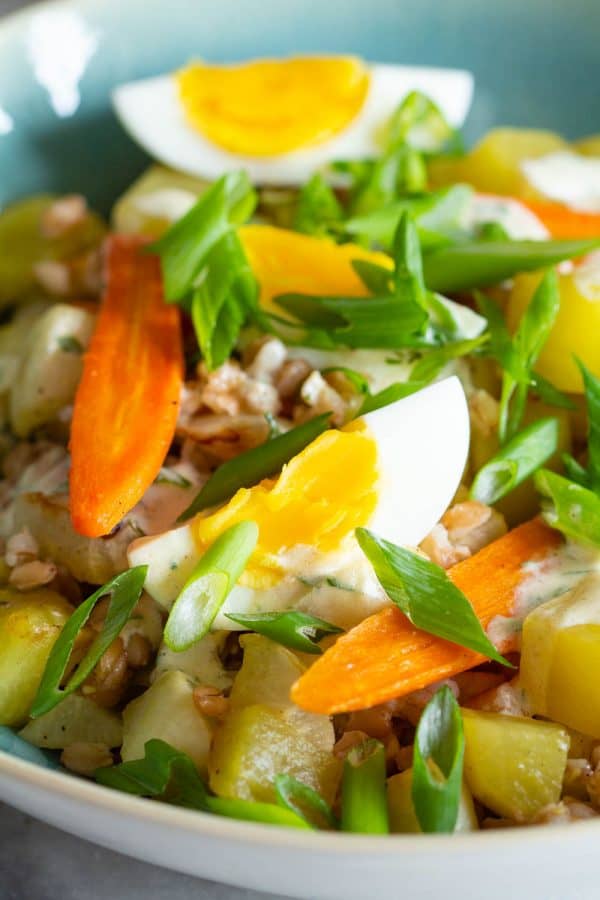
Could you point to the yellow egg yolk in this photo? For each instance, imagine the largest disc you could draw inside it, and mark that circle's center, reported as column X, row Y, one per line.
column 268, row 107
column 288, row 262
column 321, row 496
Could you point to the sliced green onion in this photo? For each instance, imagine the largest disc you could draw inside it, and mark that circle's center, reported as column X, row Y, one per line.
column 516, row 461
column 364, row 799
column 570, row 508
column 438, row 764
column 390, row 394
column 292, row 628
column 304, row 801
column 124, row 591
column 425, row 594
column 208, row 586
column 252, row 466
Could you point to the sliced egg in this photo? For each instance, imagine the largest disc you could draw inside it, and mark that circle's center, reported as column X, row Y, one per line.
column 279, row 119
column 394, row 471
column 566, row 177
column 519, row 222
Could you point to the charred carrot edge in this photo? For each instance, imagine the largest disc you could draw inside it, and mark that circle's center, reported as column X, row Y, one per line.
column 127, row 402
column 386, row 657
column 563, row 222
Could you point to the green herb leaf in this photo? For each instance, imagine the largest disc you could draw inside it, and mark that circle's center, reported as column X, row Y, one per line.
column 589, row 477
column 425, row 594
column 436, row 788
column 68, row 343
column 170, row 774
column 390, row 394
column 464, row 266
column 434, row 361
column 292, row 628
column 570, row 508
column 318, row 207
column 252, row 466
column 304, row 801
column 364, row 800
column 183, row 249
column 550, row 394
column 208, row 586
column 517, row 460
column 124, row 591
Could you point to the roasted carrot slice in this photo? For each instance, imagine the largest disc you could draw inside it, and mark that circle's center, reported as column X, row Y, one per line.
column 127, row 402
column 386, row 657
column 563, row 222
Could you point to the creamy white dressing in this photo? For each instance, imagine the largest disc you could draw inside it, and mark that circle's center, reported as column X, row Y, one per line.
column 519, row 222
column 587, row 277
column 566, row 177
column 547, row 578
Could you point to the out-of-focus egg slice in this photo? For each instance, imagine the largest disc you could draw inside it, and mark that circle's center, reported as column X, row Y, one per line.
column 279, row 119
column 519, row 222
column 566, row 177
column 394, row 471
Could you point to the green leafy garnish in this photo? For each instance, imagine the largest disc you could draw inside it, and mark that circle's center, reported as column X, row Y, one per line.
column 292, row 628
column 438, row 764
column 317, row 208
column 569, row 507
column 425, row 594
column 205, row 268
column 304, row 801
column 171, row 775
column 467, row 265
column 124, row 591
column 252, row 466
column 68, row 343
column 208, row 586
column 517, row 460
column 390, row 394
column 364, row 801
column 518, row 354
column 434, row 361
column 589, row 477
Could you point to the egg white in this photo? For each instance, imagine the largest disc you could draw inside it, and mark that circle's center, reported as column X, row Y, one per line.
column 150, row 110
column 422, row 443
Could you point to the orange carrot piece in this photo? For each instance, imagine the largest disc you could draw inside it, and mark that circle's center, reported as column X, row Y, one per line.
column 563, row 222
column 127, row 402
column 386, row 657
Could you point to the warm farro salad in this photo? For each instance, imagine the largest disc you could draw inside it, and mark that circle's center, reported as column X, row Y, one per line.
column 301, row 459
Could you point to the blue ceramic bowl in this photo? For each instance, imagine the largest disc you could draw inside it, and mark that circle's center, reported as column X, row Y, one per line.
column 536, row 62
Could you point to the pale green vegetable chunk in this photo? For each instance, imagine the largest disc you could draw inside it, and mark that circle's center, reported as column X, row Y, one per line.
column 50, row 366
column 403, row 819
column 157, row 199
column 167, row 711
column 29, row 625
column 22, row 244
column 513, row 765
column 264, row 734
column 76, row 718
column 202, row 661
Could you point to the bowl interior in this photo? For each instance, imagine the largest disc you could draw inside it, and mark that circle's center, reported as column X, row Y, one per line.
column 535, row 63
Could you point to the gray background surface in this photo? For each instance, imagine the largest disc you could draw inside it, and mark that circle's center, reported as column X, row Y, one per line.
column 41, row 863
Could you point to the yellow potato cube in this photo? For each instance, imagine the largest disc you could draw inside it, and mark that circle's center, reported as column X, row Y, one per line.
column 403, row 819
column 513, row 765
column 29, row 625
column 575, row 331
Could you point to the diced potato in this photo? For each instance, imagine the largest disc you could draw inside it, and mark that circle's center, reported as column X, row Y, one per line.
column 167, row 711
column 157, row 199
column 513, row 765
column 76, row 718
column 560, row 661
column 575, row 332
column 29, row 625
column 493, row 166
column 589, row 146
column 264, row 734
column 202, row 661
column 22, row 244
column 50, row 367
column 403, row 819
column 170, row 558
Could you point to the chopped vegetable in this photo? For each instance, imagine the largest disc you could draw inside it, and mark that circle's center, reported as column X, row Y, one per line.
column 590, row 475
column 124, row 591
column 208, row 586
column 76, row 719
column 569, row 507
column 129, row 392
column 385, row 656
column 514, row 766
column 364, row 804
column 403, row 819
column 304, row 801
column 293, row 629
column 425, row 594
column 439, row 739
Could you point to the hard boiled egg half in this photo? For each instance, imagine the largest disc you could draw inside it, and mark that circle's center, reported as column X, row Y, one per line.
column 279, row 119
column 394, row 471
